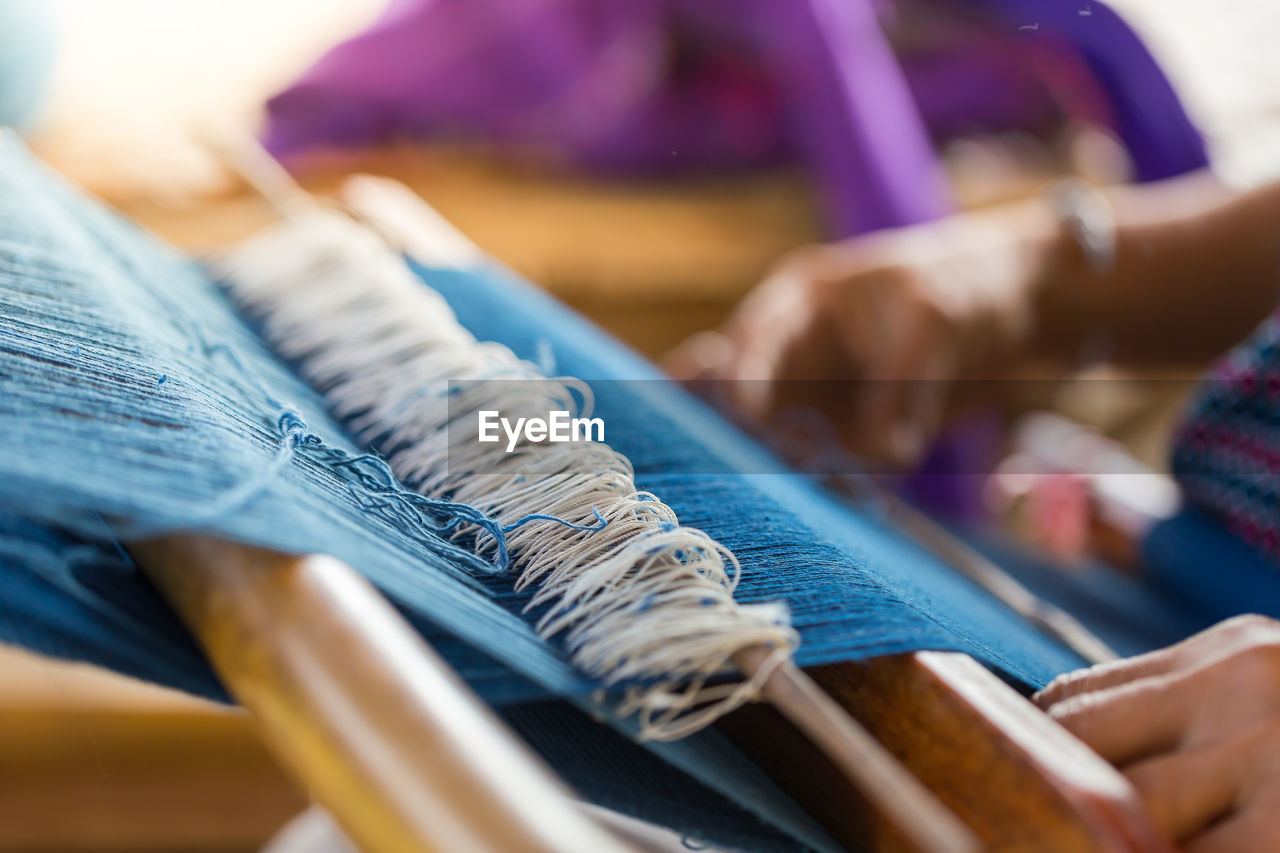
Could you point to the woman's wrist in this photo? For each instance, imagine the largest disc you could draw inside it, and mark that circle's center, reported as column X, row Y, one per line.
column 1195, row 269
column 1065, row 292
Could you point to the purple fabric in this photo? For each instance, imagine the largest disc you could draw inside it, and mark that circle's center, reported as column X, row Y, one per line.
column 657, row 86
column 1149, row 118
column 852, row 114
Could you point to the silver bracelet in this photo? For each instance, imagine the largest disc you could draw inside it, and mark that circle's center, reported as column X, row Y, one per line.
column 1087, row 216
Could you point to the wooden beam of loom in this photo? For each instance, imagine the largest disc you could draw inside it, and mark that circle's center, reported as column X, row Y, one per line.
column 376, row 726
column 364, row 722
column 1018, row 779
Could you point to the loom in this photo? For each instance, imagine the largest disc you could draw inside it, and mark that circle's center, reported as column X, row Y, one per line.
column 141, row 408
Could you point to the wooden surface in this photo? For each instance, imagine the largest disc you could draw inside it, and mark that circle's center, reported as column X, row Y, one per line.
column 360, row 710
column 889, row 789
column 1019, row 780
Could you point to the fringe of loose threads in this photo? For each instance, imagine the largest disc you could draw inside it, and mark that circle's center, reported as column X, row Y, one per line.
column 636, row 597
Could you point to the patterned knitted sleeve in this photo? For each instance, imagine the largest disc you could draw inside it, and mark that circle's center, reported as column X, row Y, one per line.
column 1226, row 453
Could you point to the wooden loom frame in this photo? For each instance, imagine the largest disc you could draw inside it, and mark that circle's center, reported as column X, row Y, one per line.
column 385, row 737
column 339, row 687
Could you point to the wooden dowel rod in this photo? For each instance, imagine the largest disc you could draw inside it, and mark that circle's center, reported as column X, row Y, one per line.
column 257, row 168
column 351, row 701
column 974, row 565
column 887, row 785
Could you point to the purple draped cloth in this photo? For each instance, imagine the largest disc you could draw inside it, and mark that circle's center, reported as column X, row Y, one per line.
column 655, row 86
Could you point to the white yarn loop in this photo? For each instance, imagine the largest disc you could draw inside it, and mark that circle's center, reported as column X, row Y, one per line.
column 640, row 600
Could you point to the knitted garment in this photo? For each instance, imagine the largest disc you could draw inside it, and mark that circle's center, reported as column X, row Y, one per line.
column 1227, row 452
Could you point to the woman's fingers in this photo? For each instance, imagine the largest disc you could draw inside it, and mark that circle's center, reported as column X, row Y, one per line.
column 1234, row 637
column 776, row 336
column 901, row 346
column 700, row 357
column 1196, row 728
column 1254, row 822
column 873, row 333
column 1252, row 831
column 1134, row 720
column 1107, row 675
column 1186, row 791
column 1183, row 709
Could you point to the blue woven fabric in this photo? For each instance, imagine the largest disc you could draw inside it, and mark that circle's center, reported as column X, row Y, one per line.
column 854, row 588
column 133, row 400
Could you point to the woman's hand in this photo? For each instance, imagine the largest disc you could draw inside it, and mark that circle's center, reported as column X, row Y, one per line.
column 877, row 331
column 1195, row 727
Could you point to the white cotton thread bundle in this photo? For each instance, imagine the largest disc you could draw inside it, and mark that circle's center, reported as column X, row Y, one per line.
column 639, row 599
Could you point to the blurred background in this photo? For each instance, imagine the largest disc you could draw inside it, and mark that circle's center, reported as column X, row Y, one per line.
column 697, row 151
column 651, row 259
